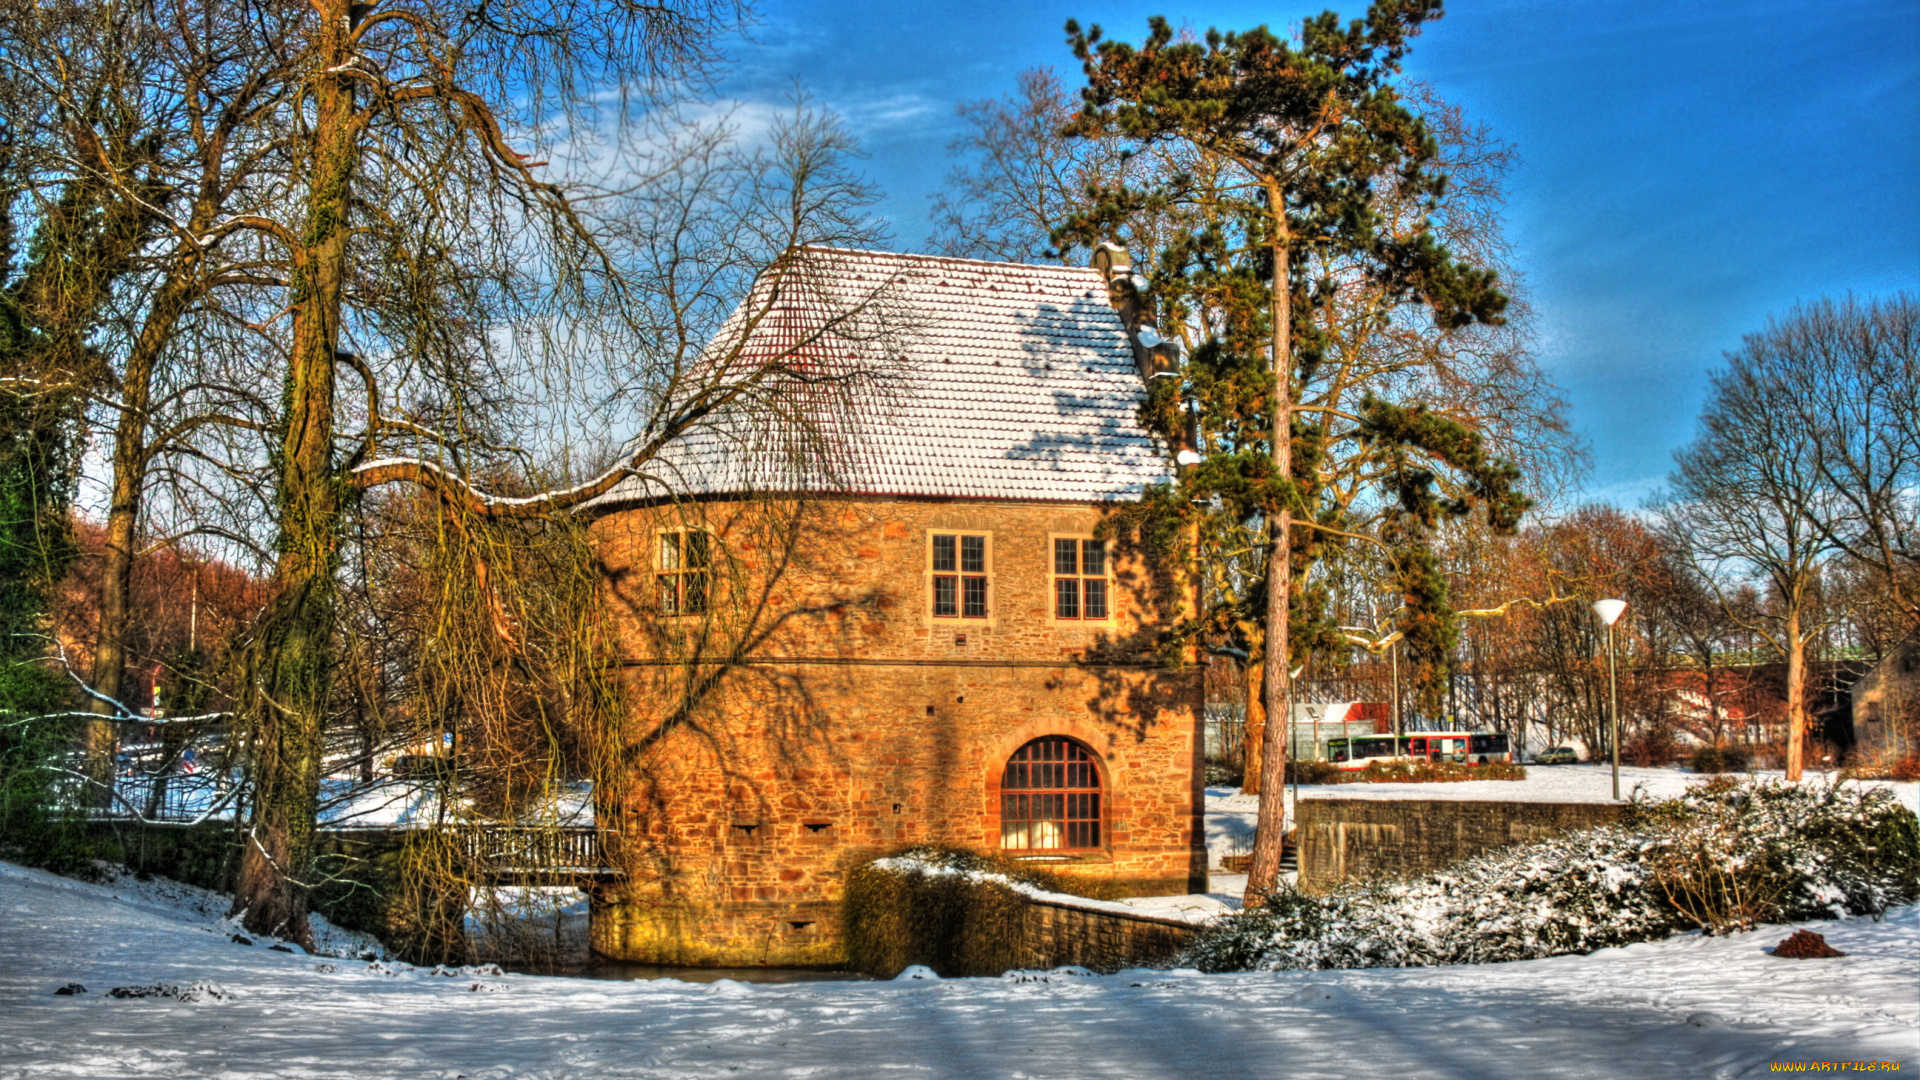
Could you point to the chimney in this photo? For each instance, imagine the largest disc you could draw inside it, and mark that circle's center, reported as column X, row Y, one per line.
column 1152, row 354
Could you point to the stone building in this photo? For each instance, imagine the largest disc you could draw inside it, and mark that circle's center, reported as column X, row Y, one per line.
column 947, row 639
column 1886, row 708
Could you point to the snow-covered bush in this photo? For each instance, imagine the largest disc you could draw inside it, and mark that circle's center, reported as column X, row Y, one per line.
column 1790, row 852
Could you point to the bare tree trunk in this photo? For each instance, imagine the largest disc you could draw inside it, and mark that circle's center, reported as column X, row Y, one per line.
column 1270, row 835
column 1796, row 694
column 116, row 608
column 130, row 454
column 1714, row 709
column 291, row 675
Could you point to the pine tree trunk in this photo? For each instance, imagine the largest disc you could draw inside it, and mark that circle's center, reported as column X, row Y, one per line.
column 1270, row 836
column 292, row 648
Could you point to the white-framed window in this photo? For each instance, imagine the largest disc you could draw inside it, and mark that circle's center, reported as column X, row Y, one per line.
column 683, row 571
column 959, row 568
column 1082, row 583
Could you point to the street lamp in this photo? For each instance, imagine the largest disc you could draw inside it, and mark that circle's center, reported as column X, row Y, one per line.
column 1608, row 612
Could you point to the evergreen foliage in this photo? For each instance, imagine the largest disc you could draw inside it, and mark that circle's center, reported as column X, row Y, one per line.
column 58, row 262
column 1304, row 235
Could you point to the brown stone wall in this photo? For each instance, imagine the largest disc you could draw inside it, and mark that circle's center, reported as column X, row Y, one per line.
column 1382, row 839
column 1055, row 934
column 819, row 716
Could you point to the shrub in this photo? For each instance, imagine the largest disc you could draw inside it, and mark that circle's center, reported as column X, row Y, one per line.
column 956, row 911
column 1767, row 755
column 1650, row 748
column 1314, row 772
column 1225, row 772
column 1905, row 769
column 1720, row 759
column 1720, row 857
column 1434, row 772
column 41, row 821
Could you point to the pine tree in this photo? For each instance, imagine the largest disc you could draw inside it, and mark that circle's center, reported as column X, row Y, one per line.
column 1309, row 246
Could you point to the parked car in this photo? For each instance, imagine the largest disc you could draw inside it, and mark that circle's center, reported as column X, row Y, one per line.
column 1556, row 755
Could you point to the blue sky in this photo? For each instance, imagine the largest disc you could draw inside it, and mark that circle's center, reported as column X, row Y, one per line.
column 1688, row 169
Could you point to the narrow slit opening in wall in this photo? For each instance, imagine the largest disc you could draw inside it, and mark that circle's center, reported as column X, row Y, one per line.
column 816, row 826
column 799, row 924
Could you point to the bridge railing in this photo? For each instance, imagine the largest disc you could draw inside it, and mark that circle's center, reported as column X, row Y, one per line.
column 532, row 849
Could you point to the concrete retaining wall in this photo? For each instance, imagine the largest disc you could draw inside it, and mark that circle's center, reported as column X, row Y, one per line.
column 1386, row 839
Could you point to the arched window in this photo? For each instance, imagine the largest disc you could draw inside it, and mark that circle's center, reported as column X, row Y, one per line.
column 1050, row 797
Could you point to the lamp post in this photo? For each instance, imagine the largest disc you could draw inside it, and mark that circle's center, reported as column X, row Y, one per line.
column 1608, row 612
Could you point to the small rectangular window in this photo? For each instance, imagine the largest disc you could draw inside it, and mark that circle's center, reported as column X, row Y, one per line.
column 973, row 554
column 1080, row 586
column 975, row 604
column 1095, row 563
column 1066, row 598
column 959, row 575
column 1096, row 594
column 1066, row 556
column 683, row 571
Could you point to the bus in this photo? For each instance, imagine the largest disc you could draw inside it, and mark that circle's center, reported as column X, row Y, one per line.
column 1489, row 748
column 1360, row 751
column 1463, row 747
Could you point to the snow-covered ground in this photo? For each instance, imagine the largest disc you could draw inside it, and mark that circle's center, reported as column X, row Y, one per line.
column 1686, row 1007
column 1231, row 816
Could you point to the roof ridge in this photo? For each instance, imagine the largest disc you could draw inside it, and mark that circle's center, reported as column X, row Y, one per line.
column 921, row 257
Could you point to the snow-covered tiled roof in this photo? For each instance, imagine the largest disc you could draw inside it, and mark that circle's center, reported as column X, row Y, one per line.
column 1004, row 381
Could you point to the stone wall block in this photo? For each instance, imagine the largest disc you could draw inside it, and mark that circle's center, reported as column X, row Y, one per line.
column 1345, row 840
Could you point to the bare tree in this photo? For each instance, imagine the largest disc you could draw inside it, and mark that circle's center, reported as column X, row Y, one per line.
column 1698, row 631
column 1848, row 373
column 1018, row 177
column 1752, row 503
column 189, row 88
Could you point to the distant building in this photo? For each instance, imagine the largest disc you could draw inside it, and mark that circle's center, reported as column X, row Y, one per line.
column 944, row 646
column 1314, row 725
column 1886, row 707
